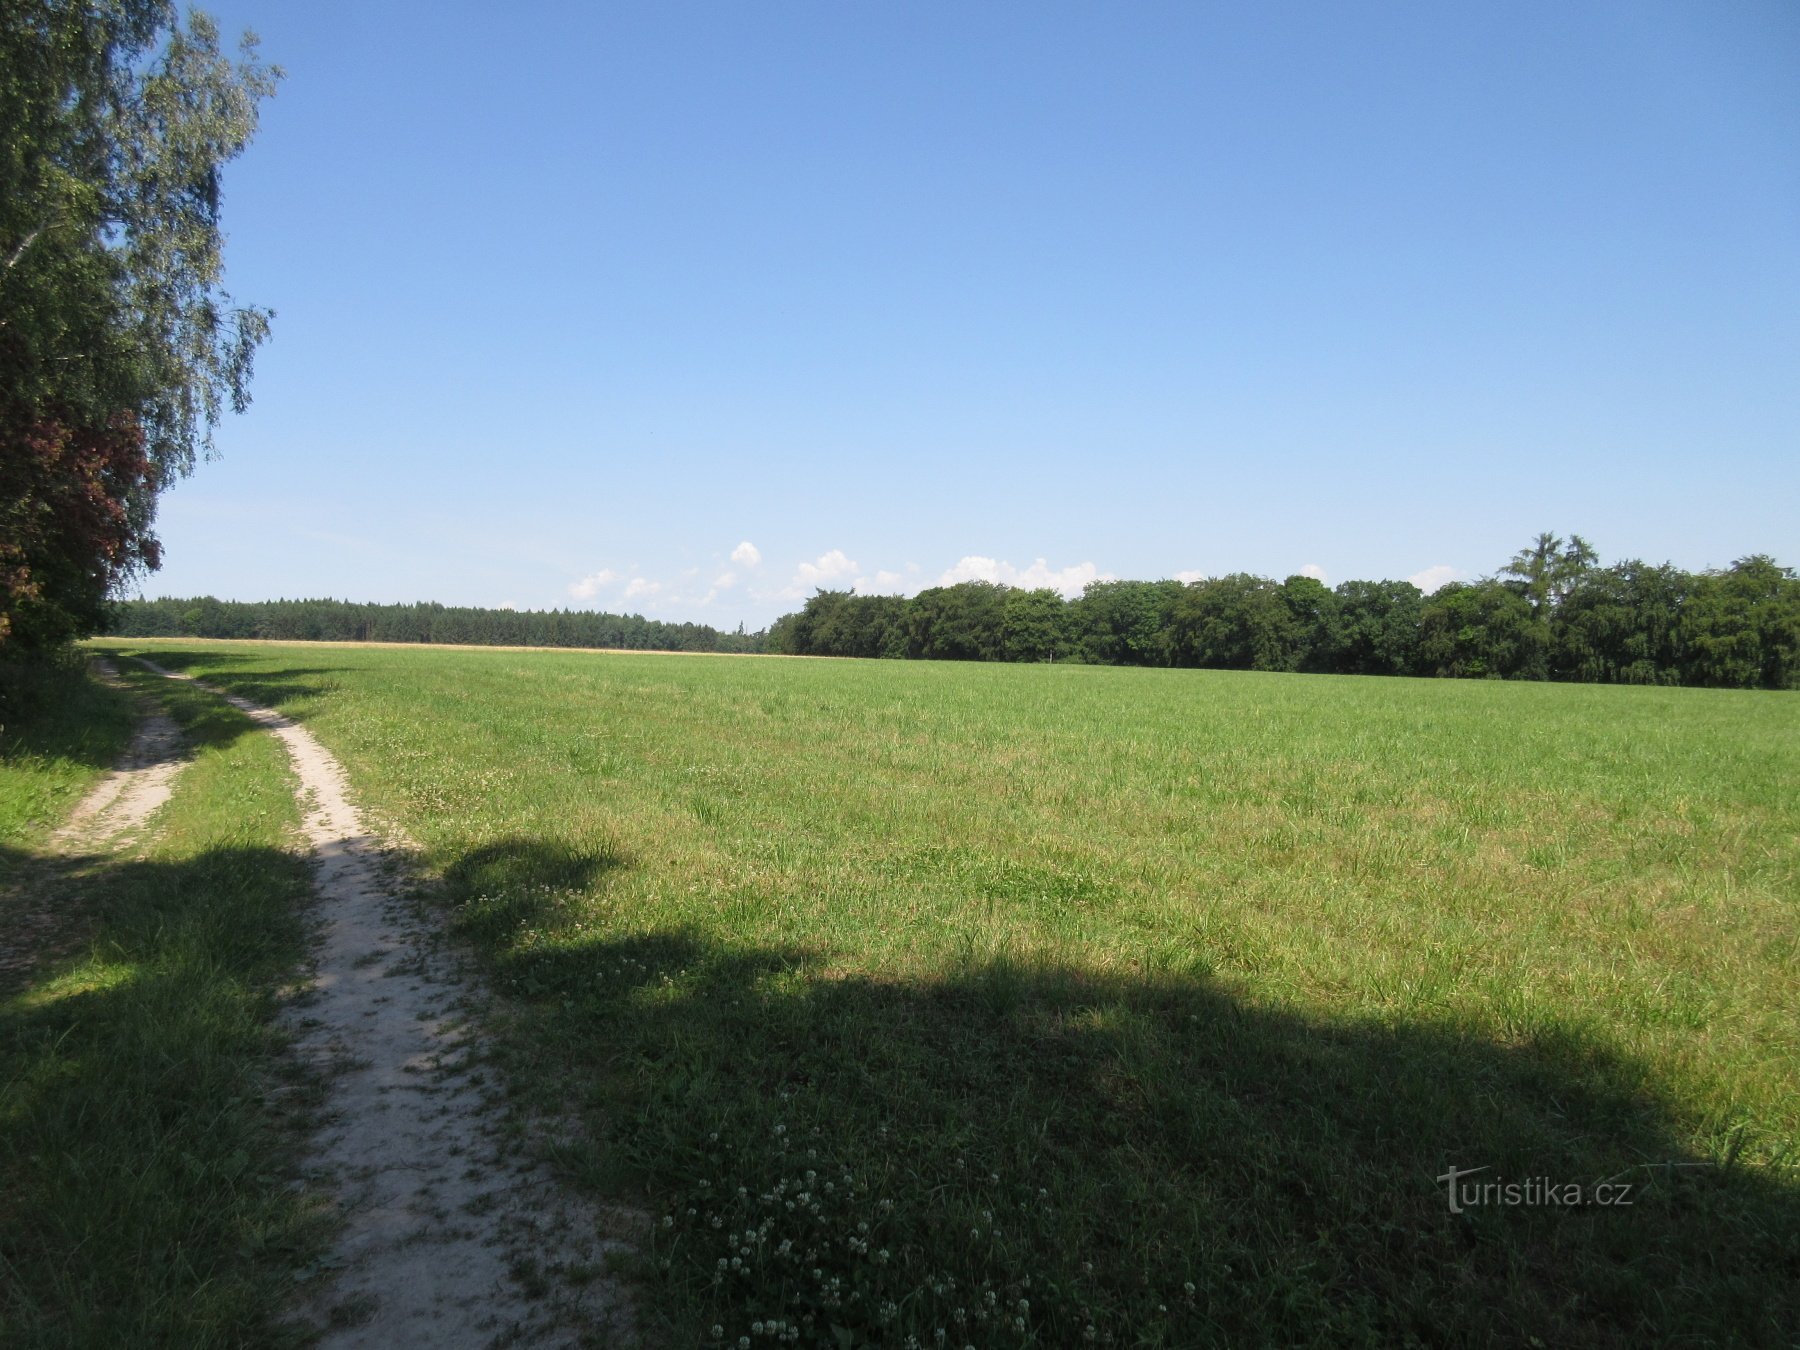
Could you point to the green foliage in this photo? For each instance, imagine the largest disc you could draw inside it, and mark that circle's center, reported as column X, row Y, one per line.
column 840, row 623
column 1627, row 624
column 964, row 622
column 1374, row 629
column 1033, row 625
column 1549, row 568
column 343, row 621
column 1621, row 625
column 115, row 122
column 1125, row 623
column 1741, row 628
column 1238, row 622
column 1487, row 630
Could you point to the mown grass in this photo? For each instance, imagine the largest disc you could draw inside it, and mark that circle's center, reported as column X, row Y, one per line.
column 983, row 1005
column 144, row 1187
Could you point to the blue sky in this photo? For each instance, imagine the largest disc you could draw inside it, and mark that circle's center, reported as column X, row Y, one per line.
column 576, row 301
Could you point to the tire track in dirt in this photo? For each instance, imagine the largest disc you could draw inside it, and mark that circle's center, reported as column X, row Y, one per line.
column 114, row 809
column 438, row 1220
column 136, row 789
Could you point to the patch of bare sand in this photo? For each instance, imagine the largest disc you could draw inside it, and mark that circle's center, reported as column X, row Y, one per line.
column 442, row 1223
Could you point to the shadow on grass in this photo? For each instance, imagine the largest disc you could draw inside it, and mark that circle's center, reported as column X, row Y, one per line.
column 1015, row 1152
column 291, row 689
column 146, row 1118
column 51, row 708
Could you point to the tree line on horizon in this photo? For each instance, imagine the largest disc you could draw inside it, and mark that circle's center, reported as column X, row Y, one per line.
column 1550, row 614
column 347, row 621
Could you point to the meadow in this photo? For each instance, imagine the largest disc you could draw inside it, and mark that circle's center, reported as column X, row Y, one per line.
column 947, row 1004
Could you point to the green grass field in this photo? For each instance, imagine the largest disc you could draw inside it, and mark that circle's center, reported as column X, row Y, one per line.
column 1019, row 1005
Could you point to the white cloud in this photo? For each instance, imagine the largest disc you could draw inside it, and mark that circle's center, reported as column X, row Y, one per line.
column 1434, row 578
column 882, row 583
column 1314, row 571
column 1188, row 578
column 725, row 580
column 589, row 586
column 509, row 604
column 1069, row 580
column 641, row 586
column 746, row 554
column 829, row 567
column 828, row 571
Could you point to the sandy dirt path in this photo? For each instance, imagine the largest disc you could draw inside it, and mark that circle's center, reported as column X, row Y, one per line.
column 123, row 801
column 108, row 818
column 439, row 1222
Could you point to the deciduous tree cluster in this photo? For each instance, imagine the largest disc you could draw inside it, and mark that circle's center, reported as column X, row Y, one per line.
column 1552, row 613
column 119, row 347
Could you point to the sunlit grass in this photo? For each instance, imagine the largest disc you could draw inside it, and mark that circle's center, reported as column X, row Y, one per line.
column 1228, row 966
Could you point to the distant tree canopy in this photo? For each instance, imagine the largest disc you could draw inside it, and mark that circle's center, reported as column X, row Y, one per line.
column 343, row 621
column 1553, row 613
column 119, row 347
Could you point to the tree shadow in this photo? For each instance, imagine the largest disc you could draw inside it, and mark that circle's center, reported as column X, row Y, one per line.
column 50, row 708
column 151, row 1118
column 1156, row 1158
column 291, row 689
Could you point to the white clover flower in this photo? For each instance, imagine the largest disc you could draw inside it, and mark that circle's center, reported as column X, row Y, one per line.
column 718, row 1331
